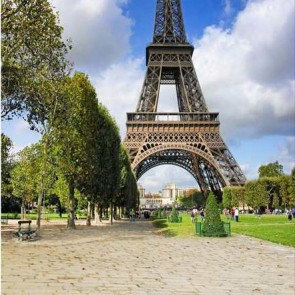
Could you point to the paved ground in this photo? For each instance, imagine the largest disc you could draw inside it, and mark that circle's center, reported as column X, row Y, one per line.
column 130, row 258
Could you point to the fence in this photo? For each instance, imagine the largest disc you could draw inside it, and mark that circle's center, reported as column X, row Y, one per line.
column 199, row 231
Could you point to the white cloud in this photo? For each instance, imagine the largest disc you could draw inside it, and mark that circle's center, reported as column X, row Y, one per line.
column 247, row 73
column 99, row 31
column 227, row 7
column 118, row 88
column 156, row 178
column 286, row 154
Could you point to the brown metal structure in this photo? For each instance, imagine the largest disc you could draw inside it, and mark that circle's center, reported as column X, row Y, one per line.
column 189, row 138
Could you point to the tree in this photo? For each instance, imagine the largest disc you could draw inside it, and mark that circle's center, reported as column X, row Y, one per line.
column 213, row 226
column 25, row 176
column 32, row 51
column 73, row 137
column 227, row 197
column 128, row 193
column 271, row 170
column 185, row 201
column 286, row 190
column 33, row 67
column 6, row 164
column 255, row 194
column 238, row 196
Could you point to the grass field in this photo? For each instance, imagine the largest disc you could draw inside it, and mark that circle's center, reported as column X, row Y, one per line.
column 274, row 228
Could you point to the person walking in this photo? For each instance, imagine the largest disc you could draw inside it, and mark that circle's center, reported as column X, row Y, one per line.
column 237, row 214
column 193, row 216
column 132, row 215
column 290, row 215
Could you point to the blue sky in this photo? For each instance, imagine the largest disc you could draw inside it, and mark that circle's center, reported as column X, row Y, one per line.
column 244, row 58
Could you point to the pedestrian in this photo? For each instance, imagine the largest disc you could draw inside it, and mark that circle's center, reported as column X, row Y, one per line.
column 132, row 215
column 202, row 213
column 290, row 215
column 237, row 214
column 232, row 213
column 193, row 216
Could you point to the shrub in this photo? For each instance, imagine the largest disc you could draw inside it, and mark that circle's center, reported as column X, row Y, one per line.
column 213, row 226
column 174, row 215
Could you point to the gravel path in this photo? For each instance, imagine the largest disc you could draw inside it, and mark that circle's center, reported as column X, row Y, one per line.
column 131, row 258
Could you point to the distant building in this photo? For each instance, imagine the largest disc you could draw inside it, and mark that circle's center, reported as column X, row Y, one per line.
column 168, row 195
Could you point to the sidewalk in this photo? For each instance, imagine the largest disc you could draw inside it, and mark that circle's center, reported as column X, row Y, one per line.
column 130, row 258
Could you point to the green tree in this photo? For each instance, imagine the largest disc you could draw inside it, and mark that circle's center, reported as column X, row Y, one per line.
column 33, row 66
column 25, row 176
column 238, row 196
column 271, row 170
column 32, row 51
column 185, row 201
column 272, row 190
column 213, row 226
column 128, row 187
column 227, row 197
column 6, row 164
column 255, row 194
column 73, row 136
column 287, row 190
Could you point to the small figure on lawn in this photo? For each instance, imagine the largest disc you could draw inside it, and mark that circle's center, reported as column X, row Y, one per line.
column 290, row 215
column 193, row 216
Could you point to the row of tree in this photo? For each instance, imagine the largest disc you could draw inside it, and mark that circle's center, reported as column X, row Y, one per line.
column 80, row 151
column 82, row 159
column 273, row 189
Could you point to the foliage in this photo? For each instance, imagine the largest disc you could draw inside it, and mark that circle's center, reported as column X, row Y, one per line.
column 25, row 176
column 33, row 52
column 212, row 226
column 227, row 197
column 6, row 164
column 174, row 216
column 128, row 194
column 271, row 170
column 185, row 201
column 192, row 198
column 287, row 190
column 255, row 194
column 74, row 140
column 11, row 204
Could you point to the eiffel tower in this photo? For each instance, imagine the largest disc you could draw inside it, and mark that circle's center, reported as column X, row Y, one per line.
column 189, row 138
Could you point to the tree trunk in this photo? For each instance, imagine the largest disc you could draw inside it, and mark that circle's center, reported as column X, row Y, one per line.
column 23, row 210
column 43, row 183
column 71, row 206
column 100, row 213
column 111, row 213
column 88, row 219
column 97, row 214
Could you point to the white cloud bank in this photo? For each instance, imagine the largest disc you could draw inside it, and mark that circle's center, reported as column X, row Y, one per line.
column 247, row 72
column 99, row 31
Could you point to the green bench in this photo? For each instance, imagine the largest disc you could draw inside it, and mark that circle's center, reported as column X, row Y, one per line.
column 24, row 233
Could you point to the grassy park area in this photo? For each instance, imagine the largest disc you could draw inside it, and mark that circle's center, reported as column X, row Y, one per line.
column 274, row 228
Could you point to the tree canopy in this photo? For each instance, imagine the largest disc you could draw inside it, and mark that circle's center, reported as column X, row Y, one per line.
column 33, row 52
column 270, row 170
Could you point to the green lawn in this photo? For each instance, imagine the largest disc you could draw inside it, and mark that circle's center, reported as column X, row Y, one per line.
column 33, row 216
column 274, row 228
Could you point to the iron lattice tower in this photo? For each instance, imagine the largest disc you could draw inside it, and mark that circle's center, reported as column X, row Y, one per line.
column 189, row 138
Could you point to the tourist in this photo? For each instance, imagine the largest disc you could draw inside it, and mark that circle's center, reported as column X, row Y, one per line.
column 202, row 213
column 237, row 214
column 132, row 215
column 193, row 216
column 232, row 213
column 290, row 215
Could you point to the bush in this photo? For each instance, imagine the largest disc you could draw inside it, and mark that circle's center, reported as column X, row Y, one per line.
column 213, row 226
column 174, row 215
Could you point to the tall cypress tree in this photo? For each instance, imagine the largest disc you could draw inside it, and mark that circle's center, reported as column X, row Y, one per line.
column 213, row 226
